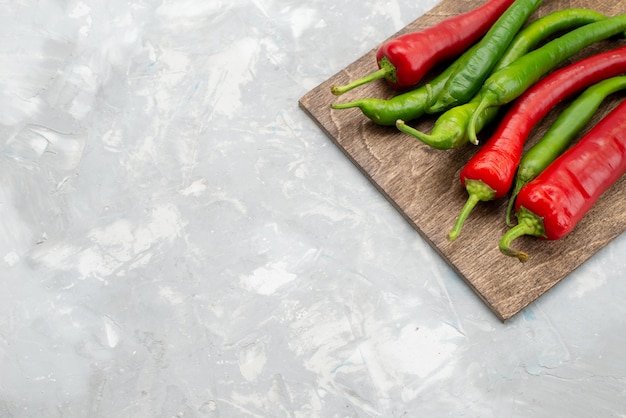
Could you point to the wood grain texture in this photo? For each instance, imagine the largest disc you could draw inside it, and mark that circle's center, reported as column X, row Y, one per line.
column 423, row 183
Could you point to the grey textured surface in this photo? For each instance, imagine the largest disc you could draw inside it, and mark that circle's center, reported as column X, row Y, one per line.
column 180, row 240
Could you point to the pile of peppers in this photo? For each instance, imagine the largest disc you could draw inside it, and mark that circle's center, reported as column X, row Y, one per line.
column 496, row 57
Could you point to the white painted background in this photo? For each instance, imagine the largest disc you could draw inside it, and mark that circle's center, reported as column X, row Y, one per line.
column 179, row 240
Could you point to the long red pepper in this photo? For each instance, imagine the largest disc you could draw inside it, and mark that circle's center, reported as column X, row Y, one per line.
column 489, row 174
column 551, row 205
column 404, row 60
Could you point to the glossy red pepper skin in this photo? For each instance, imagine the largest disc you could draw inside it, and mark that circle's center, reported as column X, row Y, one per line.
column 496, row 161
column 414, row 54
column 569, row 187
column 550, row 206
column 403, row 61
column 490, row 173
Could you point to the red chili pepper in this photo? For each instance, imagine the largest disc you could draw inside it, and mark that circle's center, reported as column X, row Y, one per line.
column 551, row 205
column 489, row 174
column 404, row 60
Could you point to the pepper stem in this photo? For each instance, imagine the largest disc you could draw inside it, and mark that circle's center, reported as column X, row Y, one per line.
column 528, row 224
column 478, row 192
column 485, row 102
column 511, row 205
column 387, row 70
column 347, row 105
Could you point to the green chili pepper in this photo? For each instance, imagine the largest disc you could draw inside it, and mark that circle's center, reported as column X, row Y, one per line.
column 409, row 105
column 561, row 133
column 542, row 28
column 508, row 83
column 412, row 104
column 467, row 80
column 450, row 129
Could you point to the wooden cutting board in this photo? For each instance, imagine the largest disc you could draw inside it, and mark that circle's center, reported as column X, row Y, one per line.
column 423, row 183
